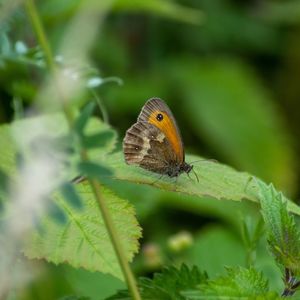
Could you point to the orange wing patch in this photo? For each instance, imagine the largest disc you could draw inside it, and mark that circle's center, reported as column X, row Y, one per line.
column 168, row 128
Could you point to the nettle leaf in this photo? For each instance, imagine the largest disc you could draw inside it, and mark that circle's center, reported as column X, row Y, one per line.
column 82, row 241
column 239, row 283
column 283, row 234
column 72, row 231
column 93, row 170
column 98, row 140
column 215, row 180
column 167, row 285
column 57, row 128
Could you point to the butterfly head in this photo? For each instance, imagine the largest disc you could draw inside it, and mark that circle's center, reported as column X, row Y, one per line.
column 176, row 170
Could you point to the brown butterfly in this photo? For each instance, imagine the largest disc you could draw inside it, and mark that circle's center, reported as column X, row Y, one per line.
column 154, row 141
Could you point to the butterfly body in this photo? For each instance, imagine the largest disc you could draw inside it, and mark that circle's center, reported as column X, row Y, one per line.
column 154, row 142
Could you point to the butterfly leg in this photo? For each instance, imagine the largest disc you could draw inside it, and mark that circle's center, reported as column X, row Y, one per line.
column 156, row 180
column 195, row 176
column 175, row 183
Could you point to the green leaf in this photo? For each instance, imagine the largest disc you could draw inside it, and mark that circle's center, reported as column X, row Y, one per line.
column 83, row 240
column 228, row 105
column 93, row 170
column 73, row 297
column 8, row 150
column 98, row 140
column 95, row 285
column 215, row 180
column 167, row 285
column 56, row 213
column 283, row 234
column 239, row 283
column 70, row 194
column 166, row 8
column 4, row 180
column 287, row 12
column 82, row 120
column 57, row 129
column 205, row 252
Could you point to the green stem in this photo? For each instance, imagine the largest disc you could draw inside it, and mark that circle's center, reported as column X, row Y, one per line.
column 40, row 33
column 101, row 106
column 41, row 36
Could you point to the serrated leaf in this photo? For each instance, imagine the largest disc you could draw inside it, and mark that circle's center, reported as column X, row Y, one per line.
column 215, row 180
column 83, row 240
column 82, row 120
column 98, row 140
column 239, row 283
column 57, row 128
column 283, row 234
column 93, row 170
column 167, row 285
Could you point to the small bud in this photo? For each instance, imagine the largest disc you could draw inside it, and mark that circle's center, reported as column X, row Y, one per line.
column 180, row 241
column 152, row 255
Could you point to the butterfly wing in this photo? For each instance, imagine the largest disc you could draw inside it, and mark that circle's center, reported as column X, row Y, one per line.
column 145, row 145
column 157, row 113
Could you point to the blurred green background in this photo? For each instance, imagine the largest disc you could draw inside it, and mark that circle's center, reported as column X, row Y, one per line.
column 229, row 70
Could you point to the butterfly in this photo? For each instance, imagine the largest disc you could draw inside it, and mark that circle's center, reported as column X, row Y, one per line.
column 154, row 141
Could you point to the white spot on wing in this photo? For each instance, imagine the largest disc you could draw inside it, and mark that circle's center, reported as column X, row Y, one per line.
column 160, row 137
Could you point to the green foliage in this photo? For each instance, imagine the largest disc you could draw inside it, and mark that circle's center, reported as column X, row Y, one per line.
column 189, row 283
column 282, row 13
column 93, row 170
column 283, row 234
column 73, row 229
column 54, row 10
column 57, row 133
column 74, row 298
column 167, row 9
column 239, row 283
column 95, row 285
column 225, row 108
column 216, row 180
column 82, row 240
column 167, row 285
column 229, row 115
column 205, row 251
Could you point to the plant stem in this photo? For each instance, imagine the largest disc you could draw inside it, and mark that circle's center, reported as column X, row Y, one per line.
column 41, row 36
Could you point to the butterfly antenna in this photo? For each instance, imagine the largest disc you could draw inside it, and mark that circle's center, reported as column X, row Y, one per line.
column 191, row 177
column 196, row 175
